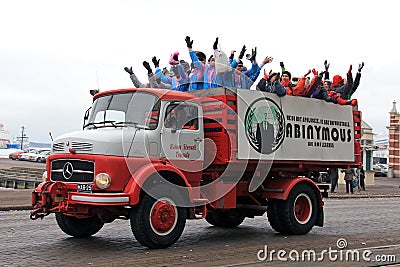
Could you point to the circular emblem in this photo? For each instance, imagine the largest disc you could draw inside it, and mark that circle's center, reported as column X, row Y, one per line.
column 67, row 143
column 265, row 125
column 68, row 170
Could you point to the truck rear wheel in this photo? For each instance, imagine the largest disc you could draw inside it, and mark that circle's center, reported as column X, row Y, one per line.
column 157, row 222
column 77, row 227
column 228, row 219
column 297, row 215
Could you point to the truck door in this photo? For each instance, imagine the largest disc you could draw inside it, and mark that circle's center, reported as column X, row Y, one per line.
column 182, row 135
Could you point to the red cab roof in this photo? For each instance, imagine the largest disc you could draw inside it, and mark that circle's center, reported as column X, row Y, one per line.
column 163, row 94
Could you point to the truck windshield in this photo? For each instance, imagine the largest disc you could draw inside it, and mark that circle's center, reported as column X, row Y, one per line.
column 126, row 109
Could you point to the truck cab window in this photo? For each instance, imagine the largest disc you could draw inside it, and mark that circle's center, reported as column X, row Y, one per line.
column 125, row 109
column 181, row 116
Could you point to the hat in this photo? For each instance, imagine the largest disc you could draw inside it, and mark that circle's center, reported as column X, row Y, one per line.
column 337, row 80
column 201, row 56
column 173, row 60
column 211, row 57
column 288, row 73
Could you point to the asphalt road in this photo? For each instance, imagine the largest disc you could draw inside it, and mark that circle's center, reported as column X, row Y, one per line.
column 365, row 224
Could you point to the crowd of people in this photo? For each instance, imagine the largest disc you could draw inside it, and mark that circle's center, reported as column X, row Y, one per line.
column 219, row 70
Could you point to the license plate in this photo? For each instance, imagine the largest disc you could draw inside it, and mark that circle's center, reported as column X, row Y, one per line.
column 85, row 188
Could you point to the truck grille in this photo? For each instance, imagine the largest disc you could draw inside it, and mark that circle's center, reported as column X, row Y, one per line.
column 58, row 147
column 72, row 170
column 81, row 146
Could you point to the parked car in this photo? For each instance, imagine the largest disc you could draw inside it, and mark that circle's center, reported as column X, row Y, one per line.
column 380, row 169
column 41, row 157
column 32, row 152
column 15, row 155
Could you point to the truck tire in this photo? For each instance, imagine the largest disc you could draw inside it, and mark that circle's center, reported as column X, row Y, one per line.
column 274, row 216
column 228, row 219
column 157, row 222
column 298, row 214
column 77, row 227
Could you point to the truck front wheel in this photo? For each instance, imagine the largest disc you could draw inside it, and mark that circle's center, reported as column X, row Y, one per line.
column 297, row 215
column 77, row 227
column 225, row 218
column 157, row 222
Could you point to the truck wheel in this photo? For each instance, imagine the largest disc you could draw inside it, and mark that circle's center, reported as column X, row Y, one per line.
column 228, row 219
column 157, row 222
column 274, row 216
column 78, row 227
column 298, row 213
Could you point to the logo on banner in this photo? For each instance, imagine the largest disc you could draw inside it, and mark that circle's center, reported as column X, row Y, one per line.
column 265, row 125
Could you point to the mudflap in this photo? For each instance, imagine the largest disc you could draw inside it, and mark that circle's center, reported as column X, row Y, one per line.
column 47, row 198
column 320, row 218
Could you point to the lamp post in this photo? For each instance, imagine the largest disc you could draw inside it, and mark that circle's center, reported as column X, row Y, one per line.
column 22, row 137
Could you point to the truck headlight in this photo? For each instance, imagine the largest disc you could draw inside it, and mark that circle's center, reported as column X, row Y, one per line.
column 44, row 176
column 103, row 180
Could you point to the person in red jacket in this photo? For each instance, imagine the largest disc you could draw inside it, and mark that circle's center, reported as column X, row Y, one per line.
column 292, row 89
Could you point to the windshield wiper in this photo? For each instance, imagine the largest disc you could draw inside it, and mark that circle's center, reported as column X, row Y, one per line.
column 134, row 124
column 99, row 124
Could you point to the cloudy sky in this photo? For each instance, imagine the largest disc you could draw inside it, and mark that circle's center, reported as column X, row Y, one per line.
column 52, row 52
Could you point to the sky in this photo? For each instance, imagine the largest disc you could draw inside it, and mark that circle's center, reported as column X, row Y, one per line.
column 53, row 52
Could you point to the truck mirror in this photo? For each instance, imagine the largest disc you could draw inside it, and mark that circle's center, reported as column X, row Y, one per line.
column 86, row 116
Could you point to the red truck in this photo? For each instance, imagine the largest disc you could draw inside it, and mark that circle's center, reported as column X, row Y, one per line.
column 159, row 157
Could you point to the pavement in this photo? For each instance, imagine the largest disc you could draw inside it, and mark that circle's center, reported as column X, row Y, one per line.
column 20, row 199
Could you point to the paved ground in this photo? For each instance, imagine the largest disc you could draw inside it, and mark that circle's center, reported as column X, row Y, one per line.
column 362, row 224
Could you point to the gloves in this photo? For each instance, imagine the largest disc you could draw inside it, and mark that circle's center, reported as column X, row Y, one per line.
column 215, row 45
column 360, row 66
column 128, row 70
column 155, row 62
column 326, row 64
column 189, row 42
column 314, row 72
column 282, row 66
column 242, row 52
column 351, row 67
column 147, row 66
column 253, row 54
column 307, row 73
column 321, row 74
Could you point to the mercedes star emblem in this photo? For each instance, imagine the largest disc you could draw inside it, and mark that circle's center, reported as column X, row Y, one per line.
column 68, row 170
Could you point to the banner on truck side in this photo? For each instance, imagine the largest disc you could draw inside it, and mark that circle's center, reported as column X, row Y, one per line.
column 293, row 128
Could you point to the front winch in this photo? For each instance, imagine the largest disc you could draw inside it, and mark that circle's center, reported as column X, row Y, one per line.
column 46, row 198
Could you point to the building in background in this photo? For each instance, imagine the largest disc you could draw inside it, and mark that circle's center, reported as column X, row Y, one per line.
column 4, row 136
column 394, row 142
column 381, row 153
column 367, row 145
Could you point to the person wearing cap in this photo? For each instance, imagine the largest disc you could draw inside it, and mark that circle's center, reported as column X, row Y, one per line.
column 356, row 82
column 270, row 83
column 341, row 88
column 293, row 89
column 154, row 82
column 327, row 86
column 203, row 75
column 254, row 66
column 177, row 82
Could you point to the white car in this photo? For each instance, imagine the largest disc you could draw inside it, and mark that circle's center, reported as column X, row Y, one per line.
column 33, row 153
column 41, row 157
column 380, row 169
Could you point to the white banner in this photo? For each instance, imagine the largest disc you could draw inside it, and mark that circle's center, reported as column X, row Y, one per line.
column 293, row 128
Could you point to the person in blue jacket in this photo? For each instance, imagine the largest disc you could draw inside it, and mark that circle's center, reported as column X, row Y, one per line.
column 203, row 75
column 177, row 82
